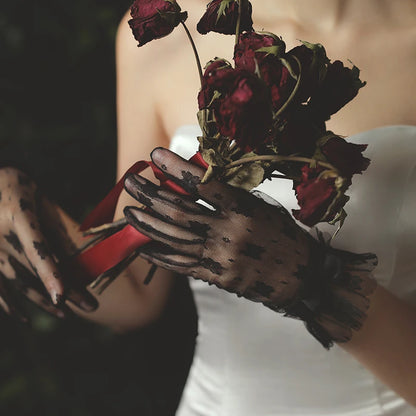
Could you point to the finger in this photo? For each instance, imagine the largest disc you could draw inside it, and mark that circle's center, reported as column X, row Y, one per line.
column 24, row 278
column 178, row 263
column 82, row 299
column 189, row 177
column 40, row 258
column 29, row 285
column 175, row 212
column 107, row 277
column 54, row 229
column 8, row 301
column 44, row 303
column 204, row 268
column 44, row 267
column 176, row 237
column 159, row 199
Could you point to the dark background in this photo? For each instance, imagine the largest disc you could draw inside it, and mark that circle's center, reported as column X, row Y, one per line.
column 57, row 121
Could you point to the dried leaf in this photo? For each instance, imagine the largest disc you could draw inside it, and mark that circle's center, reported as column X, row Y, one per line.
column 246, row 176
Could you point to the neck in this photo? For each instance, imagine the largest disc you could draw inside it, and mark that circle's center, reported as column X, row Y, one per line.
column 318, row 15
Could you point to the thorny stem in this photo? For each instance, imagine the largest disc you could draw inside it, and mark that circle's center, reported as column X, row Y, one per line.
column 198, row 61
column 277, row 158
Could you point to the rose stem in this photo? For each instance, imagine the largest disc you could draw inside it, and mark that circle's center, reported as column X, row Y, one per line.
column 237, row 28
column 295, row 90
column 275, row 175
column 198, row 62
column 277, row 158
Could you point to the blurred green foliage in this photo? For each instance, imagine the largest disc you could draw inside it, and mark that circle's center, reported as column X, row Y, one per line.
column 57, row 121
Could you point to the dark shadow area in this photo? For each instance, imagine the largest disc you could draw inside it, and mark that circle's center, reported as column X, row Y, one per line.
column 57, row 121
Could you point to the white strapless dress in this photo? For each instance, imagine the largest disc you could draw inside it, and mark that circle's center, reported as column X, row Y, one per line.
column 250, row 361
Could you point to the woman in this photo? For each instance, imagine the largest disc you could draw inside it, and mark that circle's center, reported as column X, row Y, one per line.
column 249, row 360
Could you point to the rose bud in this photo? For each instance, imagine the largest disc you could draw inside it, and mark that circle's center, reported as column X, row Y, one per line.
column 154, row 19
column 313, row 61
column 346, row 157
column 314, row 195
column 260, row 52
column 340, row 86
column 241, row 105
column 221, row 16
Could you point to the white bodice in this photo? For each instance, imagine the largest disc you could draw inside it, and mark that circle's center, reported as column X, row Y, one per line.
column 250, row 361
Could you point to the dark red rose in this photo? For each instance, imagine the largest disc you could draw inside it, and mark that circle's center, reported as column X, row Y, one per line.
column 241, row 105
column 154, row 19
column 314, row 197
column 313, row 61
column 339, row 87
column 221, row 16
column 254, row 47
column 346, row 157
column 215, row 71
column 299, row 136
column 256, row 51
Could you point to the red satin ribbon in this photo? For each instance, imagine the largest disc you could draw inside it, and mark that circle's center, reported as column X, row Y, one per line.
column 109, row 252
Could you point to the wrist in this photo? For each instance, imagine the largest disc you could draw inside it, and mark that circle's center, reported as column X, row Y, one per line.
column 334, row 298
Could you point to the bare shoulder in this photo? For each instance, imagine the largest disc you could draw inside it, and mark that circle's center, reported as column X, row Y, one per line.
column 162, row 73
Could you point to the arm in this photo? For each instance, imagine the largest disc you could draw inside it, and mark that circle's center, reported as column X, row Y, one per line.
column 386, row 343
column 127, row 303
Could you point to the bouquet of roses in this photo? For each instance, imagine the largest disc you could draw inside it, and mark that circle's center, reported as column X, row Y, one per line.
column 267, row 112
column 262, row 117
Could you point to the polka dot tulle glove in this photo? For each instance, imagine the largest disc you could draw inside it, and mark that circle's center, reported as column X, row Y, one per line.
column 32, row 240
column 250, row 245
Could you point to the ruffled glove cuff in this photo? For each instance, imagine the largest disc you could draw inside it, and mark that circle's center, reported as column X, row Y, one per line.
column 334, row 299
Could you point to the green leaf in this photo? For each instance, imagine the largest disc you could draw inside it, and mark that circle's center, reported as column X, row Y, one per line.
column 319, row 59
column 339, row 201
column 341, row 216
column 276, row 50
column 289, row 67
column 223, row 7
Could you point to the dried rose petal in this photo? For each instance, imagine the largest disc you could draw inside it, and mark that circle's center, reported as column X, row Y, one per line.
column 154, row 19
column 346, row 157
column 240, row 102
column 257, row 51
column 314, row 196
column 221, row 16
column 340, row 86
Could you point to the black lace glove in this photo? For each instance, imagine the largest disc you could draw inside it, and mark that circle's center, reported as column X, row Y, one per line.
column 32, row 239
column 250, row 247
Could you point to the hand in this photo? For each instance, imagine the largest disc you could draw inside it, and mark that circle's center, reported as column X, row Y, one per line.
column 28, row 265
column 245, row 245
column 250, row 247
